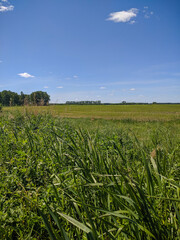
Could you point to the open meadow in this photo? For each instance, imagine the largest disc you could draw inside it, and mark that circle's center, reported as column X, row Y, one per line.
column 90, row 172
column 151, row 112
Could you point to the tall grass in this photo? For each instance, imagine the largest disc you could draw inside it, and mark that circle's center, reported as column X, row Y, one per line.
column 62, row 181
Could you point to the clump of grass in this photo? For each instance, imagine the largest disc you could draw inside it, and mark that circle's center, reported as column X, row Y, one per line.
column 60, row 181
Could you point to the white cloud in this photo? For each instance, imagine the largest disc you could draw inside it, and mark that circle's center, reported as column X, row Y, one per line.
column 102, row 87
column 132, row 89
column 75, row 76
column 46, row 87
column 132, row 22
column 123, row 16
column 6, row 8
column 25, row 75
column 60, row 87
column 146, row 7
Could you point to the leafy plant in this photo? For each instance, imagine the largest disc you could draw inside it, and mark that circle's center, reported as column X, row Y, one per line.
column 105, row 180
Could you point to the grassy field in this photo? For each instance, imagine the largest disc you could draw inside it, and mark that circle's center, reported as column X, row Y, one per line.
column 88, row 178
column 134, row 112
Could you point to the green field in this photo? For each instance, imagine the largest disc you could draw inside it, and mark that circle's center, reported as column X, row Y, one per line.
column 153, row 112
column 105, row 172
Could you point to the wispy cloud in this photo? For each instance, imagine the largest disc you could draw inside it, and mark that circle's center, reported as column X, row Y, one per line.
column 74, row 76
column 132, row 22
column 132, row 89
column 102, row 87
column 60, row 87
column 25, row 75
column 5, row 6
column 147, row 13
column 5, row 9
column 123, row 16
column 46, row 87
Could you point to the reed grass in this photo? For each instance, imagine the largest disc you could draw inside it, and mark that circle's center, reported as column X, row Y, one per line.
column 82, row 179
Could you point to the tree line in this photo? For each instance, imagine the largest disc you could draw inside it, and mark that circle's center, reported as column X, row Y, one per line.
column 38, row 98
column 83, row 102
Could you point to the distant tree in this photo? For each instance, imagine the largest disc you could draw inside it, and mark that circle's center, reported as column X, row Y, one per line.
column 27, row 100
column 9, row 98
column 84, row 102
column 21, row 98
column 5, row 97
column 15, row 99
column 46, row 98
column 39, row 98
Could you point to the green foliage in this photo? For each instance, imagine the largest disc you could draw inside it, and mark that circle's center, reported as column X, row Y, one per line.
column 100, row 181
column 8, row 98
column 39, row 98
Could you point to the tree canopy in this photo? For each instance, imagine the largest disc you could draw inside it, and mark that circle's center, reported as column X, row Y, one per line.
column 38, row 98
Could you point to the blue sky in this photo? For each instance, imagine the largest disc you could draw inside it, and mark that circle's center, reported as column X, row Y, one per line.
column 108, row 50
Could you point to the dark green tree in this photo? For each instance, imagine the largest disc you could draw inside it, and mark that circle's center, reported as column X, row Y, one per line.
column 6, row 96
column 39, row 98
column 9, row 98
